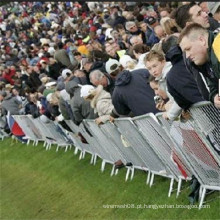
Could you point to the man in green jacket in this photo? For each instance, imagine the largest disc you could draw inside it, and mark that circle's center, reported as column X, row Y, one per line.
column 202, row 48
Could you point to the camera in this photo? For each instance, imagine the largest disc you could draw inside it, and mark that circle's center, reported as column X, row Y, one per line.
column 157, row 99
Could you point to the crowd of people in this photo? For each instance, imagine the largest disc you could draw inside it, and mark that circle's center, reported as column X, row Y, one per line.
column 97, row 60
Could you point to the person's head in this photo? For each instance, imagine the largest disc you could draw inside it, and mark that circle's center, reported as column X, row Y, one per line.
column 143, row 26
column 15, row 91
column 86, row 92
column 98, row 78
column 66, row 74
column 87, row 64
column 154, row 62
column 77, row 55
column 154, row 84
column 165, row 13
column 190, row 13
column 136, row 39
column 79, row 73
column 131, row 26
column 113, row 67
column 193, row 40
column 139, row 49
column 169, row 42
column 160, row 33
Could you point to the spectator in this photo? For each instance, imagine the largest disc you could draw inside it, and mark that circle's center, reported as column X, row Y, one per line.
column 132, row 94
column 201, row 47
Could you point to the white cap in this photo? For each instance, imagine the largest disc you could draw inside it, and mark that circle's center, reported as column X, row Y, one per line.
column 66, row 72
column 49, row 97
column 49, row 84
column 86, row 90
column 124, row 60
column 111, row 65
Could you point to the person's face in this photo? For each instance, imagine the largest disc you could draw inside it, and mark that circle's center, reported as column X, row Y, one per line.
column 136, row 40
column 87, row 66
column 160, row 33
column 79, row 73
column 164, row 14
column 78, row 58
column 158, row 91
column 133, row 28
column 143, row 27
column 155, row 67
column 196, row 50
column 199, row 16
column 103, row 81
column 110, row 50
column 14, row 92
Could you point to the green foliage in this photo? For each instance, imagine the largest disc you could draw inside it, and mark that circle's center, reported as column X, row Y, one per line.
column 39, row 184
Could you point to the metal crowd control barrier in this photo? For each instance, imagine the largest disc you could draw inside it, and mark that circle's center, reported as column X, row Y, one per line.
column 152, row 163
column 157, row 138
column 192, row 145
column 32, row 133
column 197, row 153
column 52, row 134
column 206, row 118
column 106, row 143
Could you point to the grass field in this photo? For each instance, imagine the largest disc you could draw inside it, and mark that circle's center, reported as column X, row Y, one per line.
column 39, row 184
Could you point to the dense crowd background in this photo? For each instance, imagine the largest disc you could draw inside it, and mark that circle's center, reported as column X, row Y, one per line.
column 101, row 60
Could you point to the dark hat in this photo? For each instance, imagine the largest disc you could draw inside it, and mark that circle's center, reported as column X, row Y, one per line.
column 151, row 20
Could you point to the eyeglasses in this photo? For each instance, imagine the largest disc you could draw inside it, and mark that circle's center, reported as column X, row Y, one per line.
column 132, row 27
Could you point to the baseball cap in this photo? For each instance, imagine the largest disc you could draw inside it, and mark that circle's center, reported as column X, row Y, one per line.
column 111, row 65
column 86, row 90
column 151, row 20
column 66, row 73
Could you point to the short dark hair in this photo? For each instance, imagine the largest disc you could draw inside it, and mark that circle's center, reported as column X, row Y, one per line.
column 182, row 15
column 169, row 42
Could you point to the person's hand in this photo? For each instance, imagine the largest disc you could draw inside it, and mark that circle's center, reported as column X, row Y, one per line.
column 217, row 101
column 185, row 115
column 165, row 116
column 98, row 121
column 161, row 106
column 111, row 119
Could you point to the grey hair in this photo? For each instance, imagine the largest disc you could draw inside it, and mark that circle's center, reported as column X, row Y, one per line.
column 96, row 74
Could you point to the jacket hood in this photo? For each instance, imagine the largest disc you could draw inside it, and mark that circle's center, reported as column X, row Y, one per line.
column 123, row 78
column 174, row 54
column 71, row 87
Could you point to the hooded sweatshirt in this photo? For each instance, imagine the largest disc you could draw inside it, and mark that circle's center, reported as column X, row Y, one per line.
column 133, row 93
column 180, row 82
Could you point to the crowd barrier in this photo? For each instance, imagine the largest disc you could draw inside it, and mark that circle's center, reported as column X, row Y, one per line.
column 175, row 150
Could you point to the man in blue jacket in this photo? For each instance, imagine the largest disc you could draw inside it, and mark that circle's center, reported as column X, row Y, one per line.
column 132, row 93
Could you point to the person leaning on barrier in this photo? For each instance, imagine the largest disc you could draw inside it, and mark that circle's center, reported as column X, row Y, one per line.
column 202, row 48
column 100, row 101
column 180, row 82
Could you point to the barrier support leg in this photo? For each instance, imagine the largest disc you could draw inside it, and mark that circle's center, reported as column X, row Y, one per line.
column 202, row 197
column 179, row 187
column 171, row 186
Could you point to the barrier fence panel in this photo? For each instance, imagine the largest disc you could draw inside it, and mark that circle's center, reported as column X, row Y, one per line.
column 105, row 143
column 206, row 119
column 151, row 161
column 197, row 154
column 31, row 131
column 163, row 147
column 128, row 153
column 53, row 134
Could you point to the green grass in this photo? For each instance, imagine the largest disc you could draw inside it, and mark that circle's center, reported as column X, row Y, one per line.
column 39, row 184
